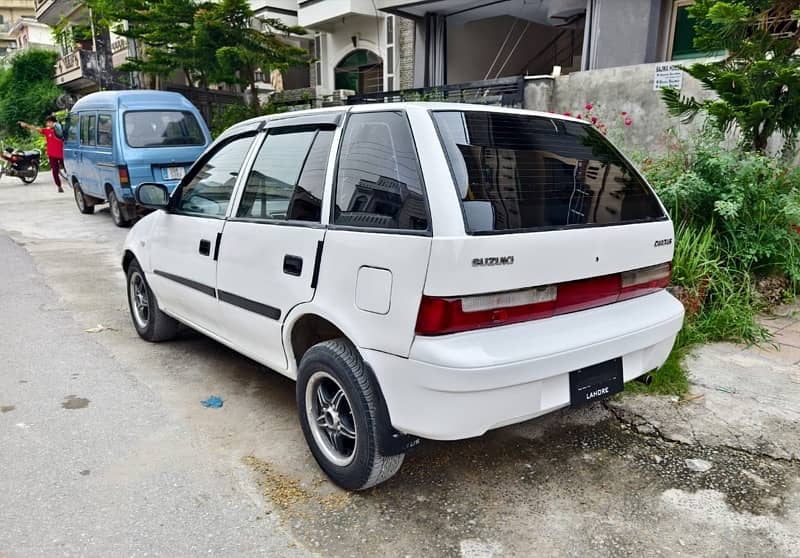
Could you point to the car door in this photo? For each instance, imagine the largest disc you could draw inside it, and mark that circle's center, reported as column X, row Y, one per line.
column 71, row 147
column 86, row 170
column 106, row 172
column 185, row 239
column 271, row 243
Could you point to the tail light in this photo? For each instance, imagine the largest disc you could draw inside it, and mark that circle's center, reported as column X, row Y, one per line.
column 645, row 281
column 441, row 315
column 124, row 179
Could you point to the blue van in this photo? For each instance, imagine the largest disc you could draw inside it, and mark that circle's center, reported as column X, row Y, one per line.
column 116, row 140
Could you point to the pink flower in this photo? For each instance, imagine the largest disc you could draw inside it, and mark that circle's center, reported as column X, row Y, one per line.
column 589, row 106
column 579, row 117
column 628, row 120
column 623, row 113
column 567, row 114
column 594, row 120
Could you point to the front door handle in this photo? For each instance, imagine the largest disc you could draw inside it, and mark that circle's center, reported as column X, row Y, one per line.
column 205, row 247
column 292, row 265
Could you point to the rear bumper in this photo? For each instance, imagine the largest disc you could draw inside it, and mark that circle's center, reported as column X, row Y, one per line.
column 460, row 386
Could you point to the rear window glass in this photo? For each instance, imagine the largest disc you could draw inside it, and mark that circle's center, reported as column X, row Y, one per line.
column 522, row 173
column 162, row 129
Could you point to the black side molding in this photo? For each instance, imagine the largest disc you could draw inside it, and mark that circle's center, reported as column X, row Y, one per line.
column 216, row 246
column 317, row 261
column 251, row 305
column 205, row 289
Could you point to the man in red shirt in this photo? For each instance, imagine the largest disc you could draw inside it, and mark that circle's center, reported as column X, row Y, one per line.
column 55, row 147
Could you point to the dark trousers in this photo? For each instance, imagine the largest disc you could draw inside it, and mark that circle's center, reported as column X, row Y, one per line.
column 56, row 164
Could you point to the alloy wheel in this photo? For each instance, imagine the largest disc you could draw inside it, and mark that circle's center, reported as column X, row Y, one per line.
column 330, row 418
column 140, row 301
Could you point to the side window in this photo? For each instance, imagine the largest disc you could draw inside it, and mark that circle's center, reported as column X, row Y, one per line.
column 72, row 127
column 88, row 129
column 104, row 129
column 288, row 177
column 209, row 192
column 378, row 183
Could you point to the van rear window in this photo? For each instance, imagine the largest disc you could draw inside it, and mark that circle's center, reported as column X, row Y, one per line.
column 521, row 173
column 162, row 128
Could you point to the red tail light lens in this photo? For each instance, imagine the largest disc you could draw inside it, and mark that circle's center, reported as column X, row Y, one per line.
column 449, row 315
column 441, row 315
column 124, row 179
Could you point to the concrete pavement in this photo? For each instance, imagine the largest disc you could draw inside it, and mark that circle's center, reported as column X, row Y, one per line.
column 93, row 462
column 592, row 482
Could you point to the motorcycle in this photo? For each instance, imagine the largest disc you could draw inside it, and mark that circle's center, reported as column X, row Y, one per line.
column 22, row 164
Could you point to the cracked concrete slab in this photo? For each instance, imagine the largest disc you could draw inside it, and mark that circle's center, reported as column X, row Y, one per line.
column 745, row 398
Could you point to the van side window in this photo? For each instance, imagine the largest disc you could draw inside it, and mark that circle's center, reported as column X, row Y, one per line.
column 209, row 191
column 88, row 129
column 288, row 177
column 378, row 183
column 104, row 129
column 72, row 127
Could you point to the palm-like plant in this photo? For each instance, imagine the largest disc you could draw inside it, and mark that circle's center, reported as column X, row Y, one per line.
column 758, row 81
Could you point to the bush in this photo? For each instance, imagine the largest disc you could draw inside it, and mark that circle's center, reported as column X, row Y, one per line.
column 751, row 202
column 27, row 90
column 736, row 215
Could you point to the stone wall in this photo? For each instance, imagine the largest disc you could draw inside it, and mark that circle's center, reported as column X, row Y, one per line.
column 406, row 32
column 612, row 91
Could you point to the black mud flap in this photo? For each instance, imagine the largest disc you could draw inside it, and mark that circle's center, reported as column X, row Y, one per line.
column 390, row 441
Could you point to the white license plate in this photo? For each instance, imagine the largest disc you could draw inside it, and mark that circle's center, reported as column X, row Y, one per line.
column 175, row 173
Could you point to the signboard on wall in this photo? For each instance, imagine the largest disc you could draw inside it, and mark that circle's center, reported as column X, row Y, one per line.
column 667, row 75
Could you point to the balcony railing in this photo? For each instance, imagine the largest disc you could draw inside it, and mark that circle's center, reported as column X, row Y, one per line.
column 506, row 92
column 76, row 69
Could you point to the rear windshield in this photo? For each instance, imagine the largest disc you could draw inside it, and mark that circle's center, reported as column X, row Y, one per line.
column 162, row 128
column 522, row 173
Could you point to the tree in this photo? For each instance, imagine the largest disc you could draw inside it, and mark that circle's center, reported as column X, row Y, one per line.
column 235, row 45
column 758, row 81
column 165, row 27
column 211, row 42
column 27, row 90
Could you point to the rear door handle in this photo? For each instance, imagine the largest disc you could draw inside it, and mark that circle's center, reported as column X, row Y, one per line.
column 292, row 265
column 205, row 247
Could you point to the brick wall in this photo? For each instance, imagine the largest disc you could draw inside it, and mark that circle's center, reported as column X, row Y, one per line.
column 405, row 51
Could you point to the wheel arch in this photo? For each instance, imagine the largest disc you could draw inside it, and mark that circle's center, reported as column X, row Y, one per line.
column 308, row 327
column 305, row 328
column 127, row 257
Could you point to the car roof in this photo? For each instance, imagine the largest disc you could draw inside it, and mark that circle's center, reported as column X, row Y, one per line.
column 132, row 99
column 254, row 123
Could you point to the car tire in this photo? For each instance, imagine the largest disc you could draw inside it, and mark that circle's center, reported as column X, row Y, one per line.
column 84, row 205
column 117, row 213
column 149, row 321
column 337, row 402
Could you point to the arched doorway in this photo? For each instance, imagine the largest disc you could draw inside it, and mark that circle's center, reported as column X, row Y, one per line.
column 360, row 71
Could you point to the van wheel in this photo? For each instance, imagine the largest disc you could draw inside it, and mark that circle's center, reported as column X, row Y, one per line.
column 337, row 404
column 150, row 322
column 116, row 210
column 84, row 206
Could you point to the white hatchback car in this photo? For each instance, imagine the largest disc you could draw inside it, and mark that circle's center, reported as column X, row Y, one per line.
column 422, row 270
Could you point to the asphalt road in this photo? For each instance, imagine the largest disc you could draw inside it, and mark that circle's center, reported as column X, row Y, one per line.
column 105, row 449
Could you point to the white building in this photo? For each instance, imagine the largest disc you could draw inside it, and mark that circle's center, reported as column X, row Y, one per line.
column 369, row 46
column 28, row 34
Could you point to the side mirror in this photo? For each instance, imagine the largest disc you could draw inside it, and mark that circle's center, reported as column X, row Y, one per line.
column 479, row 215
column 152, row 195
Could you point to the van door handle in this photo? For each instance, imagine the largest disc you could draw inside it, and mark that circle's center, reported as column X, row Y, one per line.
column 292, row 265
column 205, row 247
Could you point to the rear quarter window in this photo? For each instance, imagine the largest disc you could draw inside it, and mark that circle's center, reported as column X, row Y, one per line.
column 525, row 173
column 378, row 182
